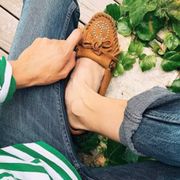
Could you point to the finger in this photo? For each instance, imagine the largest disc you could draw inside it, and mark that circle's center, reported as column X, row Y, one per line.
column 74, row 38
column 69, row 66
column 76, row 132
column 71, row 56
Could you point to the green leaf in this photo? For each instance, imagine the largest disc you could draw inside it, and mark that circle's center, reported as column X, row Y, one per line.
column 162, row 49
column 172, row 56
column 127, row 3
column 142, row 56
column 175, row 87
column 123, row 10
column 162, row 8
column 168, row 9
column 157, row 47
column 148, row 29
column 171, row 41
column 168, row 65
column 114, row 153
column 129, row 156
column 154, row 45
column 169, row 54
column 175, row 57
column 86, row 142
column 129, row 65
column 173, row 9
column 119, row 70
column 127, row 61
column 118, row 154
column 176, row 27
column 114, row 11
column 135, row 48
column 138, row 8
column 148, row 62
column 124, row 27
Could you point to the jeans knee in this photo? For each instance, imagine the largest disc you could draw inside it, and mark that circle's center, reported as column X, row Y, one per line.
column 172, row 146
column 54, row 6
column 158, row 140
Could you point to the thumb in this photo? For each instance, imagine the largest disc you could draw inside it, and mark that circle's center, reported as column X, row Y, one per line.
column 69, row 65
column 74, row 38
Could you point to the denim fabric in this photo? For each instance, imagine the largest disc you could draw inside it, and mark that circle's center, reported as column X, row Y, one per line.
column 151, row 125
column 39, row 113
column 138, row 171
column 44, row 18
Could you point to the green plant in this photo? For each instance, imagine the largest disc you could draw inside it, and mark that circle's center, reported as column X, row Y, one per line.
column 144, row 19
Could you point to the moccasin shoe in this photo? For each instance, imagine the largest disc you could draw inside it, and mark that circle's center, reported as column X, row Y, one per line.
column 100, row 43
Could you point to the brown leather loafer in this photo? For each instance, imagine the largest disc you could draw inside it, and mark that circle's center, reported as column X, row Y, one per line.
column 100, row 43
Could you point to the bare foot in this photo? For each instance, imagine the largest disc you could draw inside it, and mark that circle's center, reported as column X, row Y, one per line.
column 86, row 109
column 87, row 74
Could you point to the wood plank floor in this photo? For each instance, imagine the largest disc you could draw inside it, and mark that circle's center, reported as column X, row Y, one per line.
column 10, row 11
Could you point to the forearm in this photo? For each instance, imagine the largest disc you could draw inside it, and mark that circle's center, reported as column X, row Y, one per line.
column 22, row 80
column 111, row 115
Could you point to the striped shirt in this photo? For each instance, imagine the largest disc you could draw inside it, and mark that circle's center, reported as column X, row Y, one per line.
column 35, row 161
column 7, row 81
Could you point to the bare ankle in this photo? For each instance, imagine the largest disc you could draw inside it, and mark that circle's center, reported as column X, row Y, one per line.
column 89, row 72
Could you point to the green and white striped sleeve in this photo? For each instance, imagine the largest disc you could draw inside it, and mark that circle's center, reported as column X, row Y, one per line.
column 7, row 81
column 35, row 161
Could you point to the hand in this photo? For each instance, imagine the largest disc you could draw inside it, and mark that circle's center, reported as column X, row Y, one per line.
column 46, row 61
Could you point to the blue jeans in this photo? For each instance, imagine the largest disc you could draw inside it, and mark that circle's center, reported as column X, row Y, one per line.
column 152, row 119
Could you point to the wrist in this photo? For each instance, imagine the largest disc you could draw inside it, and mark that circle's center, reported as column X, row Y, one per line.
column 22, row 81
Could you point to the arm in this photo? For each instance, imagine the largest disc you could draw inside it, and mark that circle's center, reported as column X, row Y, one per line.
column 44, row 62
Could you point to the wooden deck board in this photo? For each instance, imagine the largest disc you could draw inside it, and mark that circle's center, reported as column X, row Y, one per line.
column 90, row 7
column 87, row 8
column 13, row 6
column 2, row 53
column 9, row 18
column 8, row 26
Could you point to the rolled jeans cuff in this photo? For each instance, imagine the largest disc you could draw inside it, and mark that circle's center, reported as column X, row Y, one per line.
column 136, row 108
